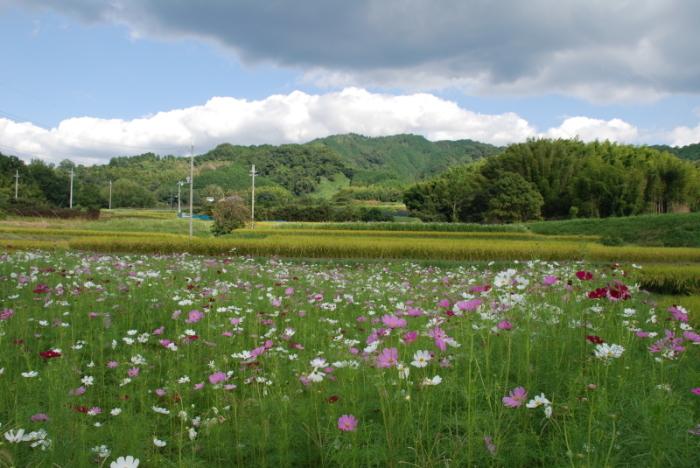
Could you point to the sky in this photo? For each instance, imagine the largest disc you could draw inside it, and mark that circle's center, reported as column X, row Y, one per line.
column 87, row 80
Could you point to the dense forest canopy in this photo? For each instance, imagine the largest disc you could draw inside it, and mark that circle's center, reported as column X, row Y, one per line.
column 445, row 180
column 559, row 179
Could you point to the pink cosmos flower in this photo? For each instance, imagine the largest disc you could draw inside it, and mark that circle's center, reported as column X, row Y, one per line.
column 289, row 291
column 6, row 314
column 469, row 306
column 112, row 364
column 159, row 331
column 516, row 397
column 695, row 391
column 678, row 313
column 78, row 391
column 199, row 386
column 490, row 446
column 389, row 357
column 549, row 280
column 160, row 392
column 194, row 316
column 691, row 336
column 133, row 372
column 445, row 303
column 347, row 423
column 218, row 377
column 439, row 336
column 392, row 321
column 504, row 325
column 40, row 417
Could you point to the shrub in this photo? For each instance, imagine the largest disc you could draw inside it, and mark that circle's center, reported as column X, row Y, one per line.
column 229, row 214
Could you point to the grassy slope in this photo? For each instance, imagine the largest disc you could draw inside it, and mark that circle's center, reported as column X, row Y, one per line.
column 671, row 230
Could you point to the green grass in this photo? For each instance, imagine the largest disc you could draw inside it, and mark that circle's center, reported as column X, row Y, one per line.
column 671, row 230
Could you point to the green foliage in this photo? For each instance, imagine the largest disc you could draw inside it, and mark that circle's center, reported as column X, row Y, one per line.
column 512, row 199
column 671, row 230
column 129, row 194
column 229, row 214
column 573, row 179
column 402, row 158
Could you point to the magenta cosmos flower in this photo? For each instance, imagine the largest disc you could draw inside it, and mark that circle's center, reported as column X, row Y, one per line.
column 516, row 398
column 347, row 423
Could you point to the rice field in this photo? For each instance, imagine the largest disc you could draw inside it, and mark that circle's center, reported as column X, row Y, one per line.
column 186, row 360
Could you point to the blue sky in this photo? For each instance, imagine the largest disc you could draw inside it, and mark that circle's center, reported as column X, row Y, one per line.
column 90, row 78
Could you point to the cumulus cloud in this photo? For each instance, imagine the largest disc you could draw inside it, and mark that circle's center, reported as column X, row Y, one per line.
column 588, row 129
column 612, row 50
column 298, row 117
column 681, row 136
column 292, row 118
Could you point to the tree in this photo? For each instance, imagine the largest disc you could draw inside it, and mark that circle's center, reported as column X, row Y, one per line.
column 512, row 199
column 129, row 194
column 229, row 213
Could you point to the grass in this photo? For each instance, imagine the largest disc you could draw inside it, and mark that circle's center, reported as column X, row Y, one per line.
column 277, row 351
column 671, row 230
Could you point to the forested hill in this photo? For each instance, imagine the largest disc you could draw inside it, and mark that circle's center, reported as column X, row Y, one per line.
column 691, row 152
column 404, row 158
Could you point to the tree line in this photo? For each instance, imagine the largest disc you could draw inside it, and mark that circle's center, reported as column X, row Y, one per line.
column 558, row 179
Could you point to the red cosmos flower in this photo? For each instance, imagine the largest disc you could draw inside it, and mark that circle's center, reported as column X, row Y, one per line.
column 80, row 409
column 598, row 293
column 49, row 354
column 41, row 289
column 584, row 275
column 617, row 290
column 595, row 339
column 332, row 398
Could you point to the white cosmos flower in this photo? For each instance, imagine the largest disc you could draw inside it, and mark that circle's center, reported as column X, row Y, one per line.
column 605, row 351
column 539, row 400
column 160, row 410
column 437, row 380
column 159, row 443
column 318, row 363
column 116, row 411
column 88, row 380
column 125, row 462
column 16, row 437
column 421, row 358
column 102, row 451
column 192, row 433
column 30, row 374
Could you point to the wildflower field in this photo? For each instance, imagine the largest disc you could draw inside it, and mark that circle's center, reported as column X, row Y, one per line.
column 184, row 360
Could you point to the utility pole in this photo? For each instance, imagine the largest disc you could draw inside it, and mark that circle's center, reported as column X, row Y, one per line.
column 252, row 198
column 191, row 184
column 110, row 194
column 70, row 201
column 179, row 186
column 16, row 183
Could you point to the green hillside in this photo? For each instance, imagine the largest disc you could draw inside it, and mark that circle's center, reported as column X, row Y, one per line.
column 402, row 158
column 691, row 152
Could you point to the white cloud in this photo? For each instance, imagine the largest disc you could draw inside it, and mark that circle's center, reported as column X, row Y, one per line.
column 298, row 118
column 588, row 129
column 681, row 136
column 293, row 118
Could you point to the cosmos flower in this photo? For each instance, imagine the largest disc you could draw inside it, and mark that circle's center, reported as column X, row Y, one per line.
column 516, row 397
column 347, row 423
column 421, row 359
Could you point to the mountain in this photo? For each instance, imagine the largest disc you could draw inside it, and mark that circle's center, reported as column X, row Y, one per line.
column 690, row 152
column 402, row 158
